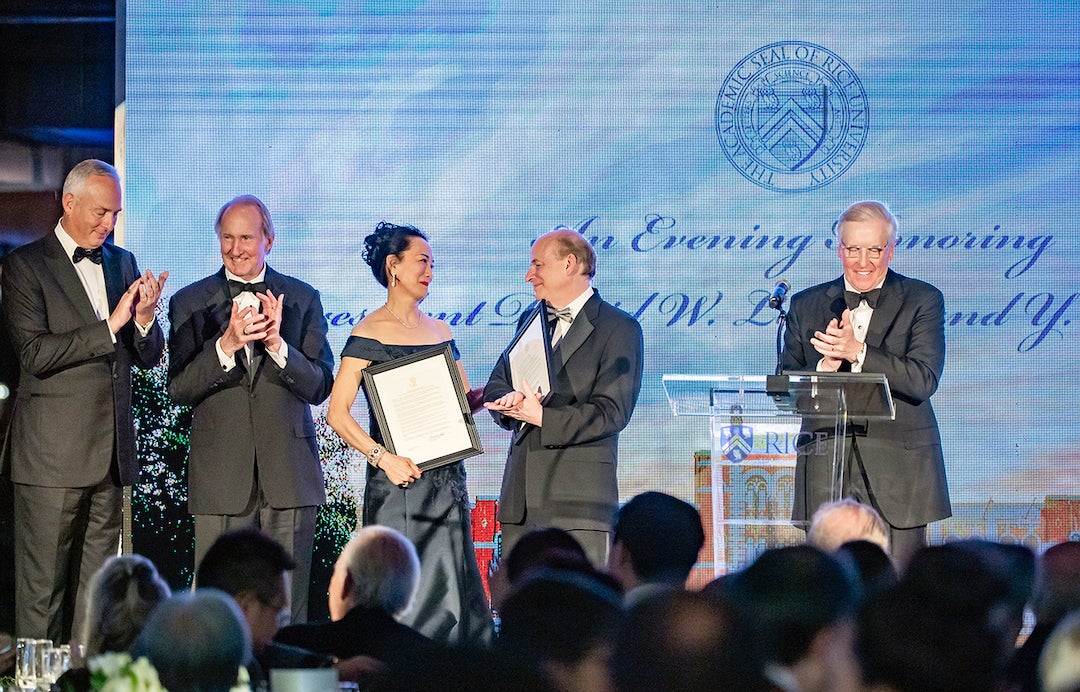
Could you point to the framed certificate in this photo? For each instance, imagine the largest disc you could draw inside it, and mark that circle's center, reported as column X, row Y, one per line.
column 419, row 402
column 529, row 355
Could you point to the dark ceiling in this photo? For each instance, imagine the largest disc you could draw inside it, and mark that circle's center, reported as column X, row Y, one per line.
column 58, row 71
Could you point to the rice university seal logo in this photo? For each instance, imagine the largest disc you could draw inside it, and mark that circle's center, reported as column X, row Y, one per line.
column 736, row 442
column 792, row 116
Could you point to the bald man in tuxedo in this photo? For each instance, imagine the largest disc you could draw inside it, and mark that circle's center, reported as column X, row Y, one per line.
column 79, row 316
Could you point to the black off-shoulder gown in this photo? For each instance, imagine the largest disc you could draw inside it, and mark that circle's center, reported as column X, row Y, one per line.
column 434, row 513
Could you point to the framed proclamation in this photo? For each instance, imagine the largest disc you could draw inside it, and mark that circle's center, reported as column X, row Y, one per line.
column 419, row 402
column 529, row 355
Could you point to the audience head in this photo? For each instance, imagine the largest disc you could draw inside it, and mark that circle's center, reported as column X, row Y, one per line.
column 196, row 641
column 385, row 245
column 684, row 641
column 874, row 569
column 1014, row 566
column 122, row 594
column 545, row 548
column 1057, row 583
column 564, row 621
column 908, row 643
column 252, row 568
column 791, row 594
column 958, row 578
column 841, row 521
column 1059, row 664
column 377, row 569
column 656, row 539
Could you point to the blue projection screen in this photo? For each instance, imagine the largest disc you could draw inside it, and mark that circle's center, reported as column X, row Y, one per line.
column 704, row 148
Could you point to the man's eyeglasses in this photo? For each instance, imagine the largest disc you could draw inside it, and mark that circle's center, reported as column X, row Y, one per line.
column 853, row 251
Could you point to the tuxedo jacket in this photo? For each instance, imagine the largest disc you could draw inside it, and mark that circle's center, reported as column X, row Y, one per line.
column 257, row 415
column 905, row 340
column 563, row 473
column 72, row 413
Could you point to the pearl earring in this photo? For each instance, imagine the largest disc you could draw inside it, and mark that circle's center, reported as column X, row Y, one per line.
column 394, row 282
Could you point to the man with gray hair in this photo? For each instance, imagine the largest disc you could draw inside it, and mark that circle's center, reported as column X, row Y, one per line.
column 841, row 521
column 79, row 316
column 248, row 349
column 872, row 319
column 196, row 641
column 374, row 582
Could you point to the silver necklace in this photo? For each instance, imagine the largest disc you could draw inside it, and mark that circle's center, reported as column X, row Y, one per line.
column 401, row 321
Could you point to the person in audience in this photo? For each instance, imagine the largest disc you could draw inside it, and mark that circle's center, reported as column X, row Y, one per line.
column 838, row 522
column 543, row 548
column 122, row 594
column 564, row 622
column 684, row 641
column 801, row 604
column 374, row 582
column 906, row 642
column 655, row 543
column 252, row 568
column 961, row 579
column 1056, row 592
column 872, row 565
column 1059, row 664
column 197, row 641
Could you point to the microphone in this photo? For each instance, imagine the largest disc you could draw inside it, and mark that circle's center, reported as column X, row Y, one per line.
column 779, row 292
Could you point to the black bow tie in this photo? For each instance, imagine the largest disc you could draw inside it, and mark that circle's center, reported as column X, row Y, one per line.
column 563, row 314
column 238, row 287
column 82, row 253
column 853, row 299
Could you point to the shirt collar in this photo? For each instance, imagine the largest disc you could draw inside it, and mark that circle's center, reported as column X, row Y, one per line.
column 66, row 241
column 576, row 304
column 260, row 277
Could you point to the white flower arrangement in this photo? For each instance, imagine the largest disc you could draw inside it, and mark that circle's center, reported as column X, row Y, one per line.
column 116, row 672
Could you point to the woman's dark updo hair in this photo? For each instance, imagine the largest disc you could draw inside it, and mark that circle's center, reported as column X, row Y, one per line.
column 387, row 239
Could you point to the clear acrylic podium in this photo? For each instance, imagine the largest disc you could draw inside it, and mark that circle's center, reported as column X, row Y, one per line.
column 757, row 423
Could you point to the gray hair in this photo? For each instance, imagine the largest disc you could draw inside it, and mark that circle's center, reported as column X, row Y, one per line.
column 196, row 641
column 248, row 201
column 841, row 521
column 869, row 210
column 122, row 594
column 76, row 178
column 384, row 567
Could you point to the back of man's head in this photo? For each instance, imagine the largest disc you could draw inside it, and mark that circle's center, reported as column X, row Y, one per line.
column 662, row 536
column 791, row 594
column 244, row 560
column 684, row 640
column 836, row 523
column 1057, row 583
column 908, row 643
column 377, row 569
column 196, row 641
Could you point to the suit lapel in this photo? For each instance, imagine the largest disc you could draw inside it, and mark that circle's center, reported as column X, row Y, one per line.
column 60, row 267
column 889, row 303
column 578, row 332
column 114, row 274
column 835, row 296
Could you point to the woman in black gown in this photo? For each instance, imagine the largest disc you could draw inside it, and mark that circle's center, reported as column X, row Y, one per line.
column 431, row 508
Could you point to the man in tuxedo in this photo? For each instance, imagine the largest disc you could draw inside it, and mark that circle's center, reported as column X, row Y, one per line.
column 248, row 350
column 561, row 467
column 79, row 315
column 874, row 320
